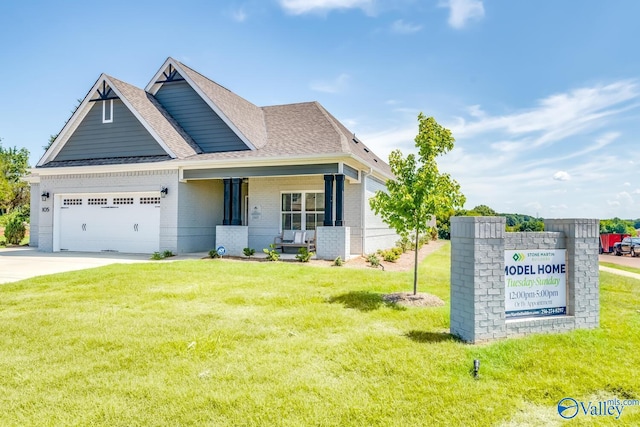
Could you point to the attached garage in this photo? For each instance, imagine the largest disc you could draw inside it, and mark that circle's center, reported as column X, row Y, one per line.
column 107, row 222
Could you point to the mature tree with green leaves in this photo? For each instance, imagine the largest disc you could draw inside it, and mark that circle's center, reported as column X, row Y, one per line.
column 482, row 210
column 14, row 192
column 617, row 225
column 419, row 191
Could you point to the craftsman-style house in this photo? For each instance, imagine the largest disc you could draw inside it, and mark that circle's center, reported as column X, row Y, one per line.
column 186, row 165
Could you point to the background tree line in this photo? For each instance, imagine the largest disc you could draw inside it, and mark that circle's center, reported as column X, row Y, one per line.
column 14, row 191
column 14, row 194
column 519, row 222
column 514, row 222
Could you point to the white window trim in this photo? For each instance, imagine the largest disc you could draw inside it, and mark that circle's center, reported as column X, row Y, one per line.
column 104, row 110
column 303, row 212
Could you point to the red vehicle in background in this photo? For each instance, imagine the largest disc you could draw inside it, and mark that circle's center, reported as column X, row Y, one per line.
column 608, row 240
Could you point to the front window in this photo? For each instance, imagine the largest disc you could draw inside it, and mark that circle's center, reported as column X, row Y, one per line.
column 302, row 210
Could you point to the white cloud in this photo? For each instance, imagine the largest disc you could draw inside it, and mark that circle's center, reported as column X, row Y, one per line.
column 401, row 27
column 507, row 146
column 476, row 111
column 625, row 197
column 239, row 15
column 556, row 117
column 626, row 184
column 337, row 85
column 561, row 176
column 515, row 162
column 461, row 11
column 300, row 7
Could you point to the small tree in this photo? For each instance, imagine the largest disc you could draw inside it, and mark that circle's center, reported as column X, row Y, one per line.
column 15, row 230
column 419, row 192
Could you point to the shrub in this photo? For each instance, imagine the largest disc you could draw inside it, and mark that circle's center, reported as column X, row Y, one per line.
column 161, row 255
column 404, row 244
column 389, row 255
column 304, row 255
column 248, row 252
column 272, row 254
column 338, row 262
column 213, row 253
column 15, row 231
column 373, row 260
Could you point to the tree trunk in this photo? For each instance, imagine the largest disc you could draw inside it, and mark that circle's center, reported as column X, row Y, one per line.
column 415, row 263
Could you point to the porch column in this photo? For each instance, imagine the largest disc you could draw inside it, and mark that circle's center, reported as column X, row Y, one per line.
column 226, row 220
column 236, row 201
column 339, row 200
column 328, row 200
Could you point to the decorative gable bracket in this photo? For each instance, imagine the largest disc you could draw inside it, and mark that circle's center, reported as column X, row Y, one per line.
column 105, row 94
column 171, row 75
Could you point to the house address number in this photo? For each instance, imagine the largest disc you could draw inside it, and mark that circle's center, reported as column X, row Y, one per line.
column 45, row 209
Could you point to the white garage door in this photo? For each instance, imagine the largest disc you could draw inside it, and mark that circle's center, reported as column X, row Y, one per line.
column 127, row 222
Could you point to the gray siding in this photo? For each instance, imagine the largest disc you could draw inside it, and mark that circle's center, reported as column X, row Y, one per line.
column 125, row 137
column 206, row 128
column 350, row 172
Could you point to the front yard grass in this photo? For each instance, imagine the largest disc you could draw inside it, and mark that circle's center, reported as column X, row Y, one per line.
column 241, row 343
column 621, row 267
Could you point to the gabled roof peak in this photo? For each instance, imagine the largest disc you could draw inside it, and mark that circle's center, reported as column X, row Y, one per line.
column 150, row 114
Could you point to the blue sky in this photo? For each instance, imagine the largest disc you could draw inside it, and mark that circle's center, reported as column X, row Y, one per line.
column 542, row 96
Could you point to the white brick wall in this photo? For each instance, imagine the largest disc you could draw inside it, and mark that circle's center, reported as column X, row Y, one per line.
column 378, row 234
column 191, row 211
column 35, row 215
column 200, row 209
column 333, row 242
column 234, row 238
column 477, row 276
column 112, row 183
column 353, row 214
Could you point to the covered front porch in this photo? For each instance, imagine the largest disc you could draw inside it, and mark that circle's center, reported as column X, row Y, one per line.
column 322, row 200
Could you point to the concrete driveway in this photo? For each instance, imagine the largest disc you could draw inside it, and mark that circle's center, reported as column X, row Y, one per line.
column 24, row 262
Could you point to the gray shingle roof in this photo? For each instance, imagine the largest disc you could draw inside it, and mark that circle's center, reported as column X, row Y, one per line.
column 291, row 130
column 106, row 161
column 296, row 130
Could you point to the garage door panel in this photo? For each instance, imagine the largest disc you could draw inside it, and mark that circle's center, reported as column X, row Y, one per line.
column 116, row 222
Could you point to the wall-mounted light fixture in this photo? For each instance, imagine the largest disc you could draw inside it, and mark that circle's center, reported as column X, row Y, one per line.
column 163, row 192
column 45, row 196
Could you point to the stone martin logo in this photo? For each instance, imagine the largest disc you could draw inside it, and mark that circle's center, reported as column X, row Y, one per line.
column 568, row 408
column 518, row 257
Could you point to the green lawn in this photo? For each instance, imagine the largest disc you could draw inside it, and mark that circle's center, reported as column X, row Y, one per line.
column 621, row 267
column 243, row 343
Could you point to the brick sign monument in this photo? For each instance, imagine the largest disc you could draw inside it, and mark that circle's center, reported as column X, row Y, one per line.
column 512, row 284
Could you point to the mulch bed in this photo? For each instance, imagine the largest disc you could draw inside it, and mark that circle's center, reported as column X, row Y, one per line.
column 408, row 299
